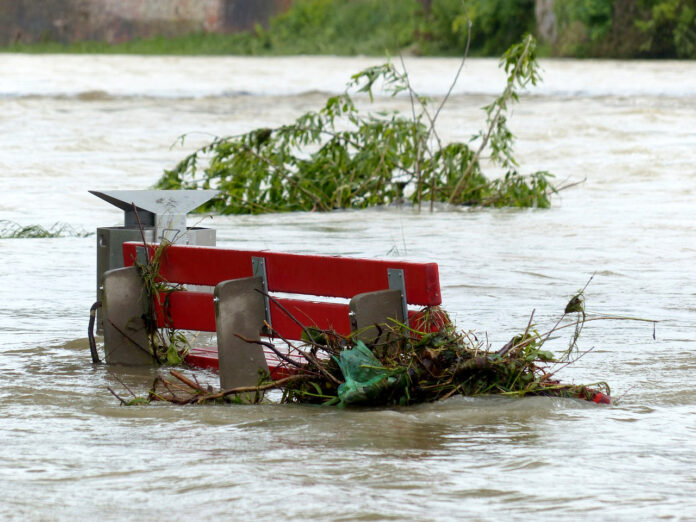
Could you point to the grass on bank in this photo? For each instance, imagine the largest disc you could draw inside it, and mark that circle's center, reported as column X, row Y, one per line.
column 11, row 230
column 584, row 29
column 341, row 27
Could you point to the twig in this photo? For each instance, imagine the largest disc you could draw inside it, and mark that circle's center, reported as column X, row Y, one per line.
column 309, row 358
column 182, row 137
column 186, row 381
column 417, row 142
column 449, row 393
column 456, row 79
column 142, row 230
column 198, row 383
column 178, row 386
column 272, row 347
column 287, row 312
column 460, row 184
column 577, row 322
column 168, row 385
column 529, row 324
column 569, row 185
column 419, row 99
column 547, row 334
column 306, row 355
column 122, row 383
column 620, row 398
column 153, row 389
column 276, row 333
column 123, row 403
column 509, row 346
column 173, row 397
column 248, row 389
column 548, row 375
column 587, row 284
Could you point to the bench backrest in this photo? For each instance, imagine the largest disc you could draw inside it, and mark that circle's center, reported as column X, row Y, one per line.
column 316, row 276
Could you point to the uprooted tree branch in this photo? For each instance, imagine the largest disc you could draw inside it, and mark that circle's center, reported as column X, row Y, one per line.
column 340, row 157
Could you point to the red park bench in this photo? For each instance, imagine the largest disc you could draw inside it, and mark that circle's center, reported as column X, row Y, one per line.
column 240, row 303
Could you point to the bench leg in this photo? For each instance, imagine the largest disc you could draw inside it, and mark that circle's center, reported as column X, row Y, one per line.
column 239, row 309
column 124, row 308
column 371, row 308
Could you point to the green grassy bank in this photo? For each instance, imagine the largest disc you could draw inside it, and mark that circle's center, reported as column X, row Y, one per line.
column 584, row 28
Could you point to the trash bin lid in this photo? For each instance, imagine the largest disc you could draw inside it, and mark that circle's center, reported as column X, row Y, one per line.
column 158, row 202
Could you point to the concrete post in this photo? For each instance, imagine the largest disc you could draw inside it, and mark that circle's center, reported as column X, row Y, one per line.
column 125, row 308
column 371, row 308
column 240, row 310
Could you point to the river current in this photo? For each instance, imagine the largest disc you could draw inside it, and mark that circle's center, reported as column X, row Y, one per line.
column 69, row 124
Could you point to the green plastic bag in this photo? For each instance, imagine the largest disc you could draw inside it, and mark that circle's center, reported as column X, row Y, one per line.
column 366, row 380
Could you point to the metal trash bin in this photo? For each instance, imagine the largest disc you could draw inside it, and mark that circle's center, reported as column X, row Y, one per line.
column 160, row 213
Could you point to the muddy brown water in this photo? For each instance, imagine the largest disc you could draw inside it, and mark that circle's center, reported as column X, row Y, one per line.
column 73, row 123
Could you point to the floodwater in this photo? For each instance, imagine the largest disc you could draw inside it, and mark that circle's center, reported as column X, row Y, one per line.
column 73, row 123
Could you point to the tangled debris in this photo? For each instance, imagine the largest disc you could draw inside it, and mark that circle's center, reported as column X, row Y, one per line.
column 428, row 362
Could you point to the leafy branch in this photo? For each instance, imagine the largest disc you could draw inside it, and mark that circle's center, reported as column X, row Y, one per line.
column 340, row 157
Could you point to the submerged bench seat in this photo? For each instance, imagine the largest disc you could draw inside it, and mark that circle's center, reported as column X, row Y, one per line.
column 243, row 280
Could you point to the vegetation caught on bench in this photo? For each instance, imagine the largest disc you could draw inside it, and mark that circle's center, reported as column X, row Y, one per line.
column 391, row 364
column 167, row 346
column 339, row 157
column 427, row 362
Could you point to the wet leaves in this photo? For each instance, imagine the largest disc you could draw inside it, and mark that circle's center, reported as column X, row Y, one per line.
column 341, row 157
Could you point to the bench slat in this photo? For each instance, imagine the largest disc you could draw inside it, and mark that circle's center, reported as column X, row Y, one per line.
column 207, row 358
column 293, row 273
column 196, row 311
